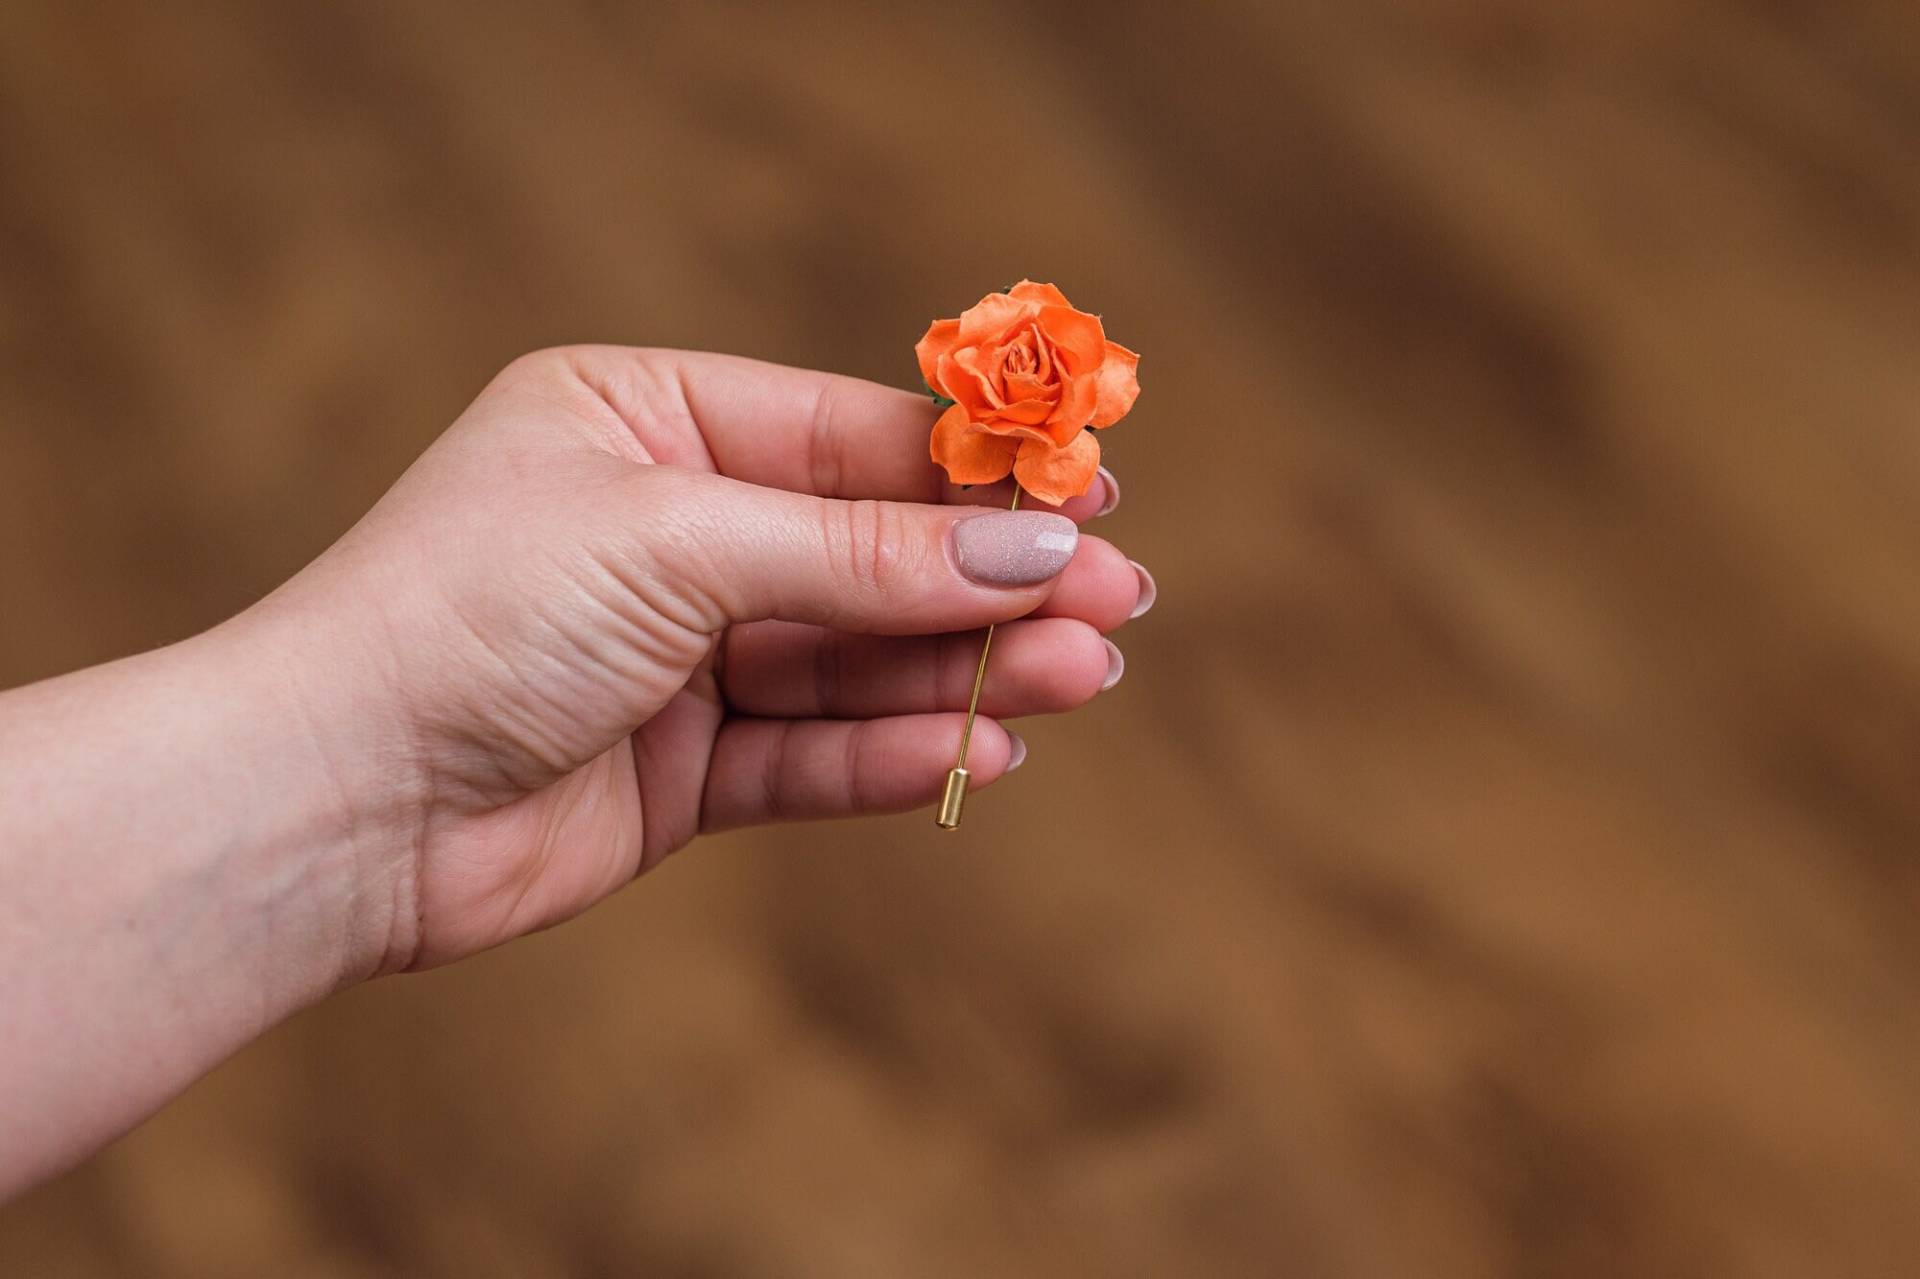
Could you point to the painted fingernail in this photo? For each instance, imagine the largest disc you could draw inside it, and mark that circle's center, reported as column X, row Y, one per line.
column 1017, row 754
column 1113, row 493
column 1147, row 590
column 1116, row 665
column 1014, row 548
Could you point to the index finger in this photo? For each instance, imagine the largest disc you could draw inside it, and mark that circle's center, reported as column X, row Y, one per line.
column 795, row 429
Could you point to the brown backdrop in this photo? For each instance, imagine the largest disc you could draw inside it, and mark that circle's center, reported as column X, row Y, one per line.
column 1501, row 854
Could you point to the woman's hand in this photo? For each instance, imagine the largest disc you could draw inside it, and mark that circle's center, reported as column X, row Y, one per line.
column 635, row 595
column 629, row 596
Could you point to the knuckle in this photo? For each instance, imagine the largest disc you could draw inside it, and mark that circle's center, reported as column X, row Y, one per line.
column 868, row 542
column 773, row 777
column 538, row 364
column 857, row 771
column 823, row 443
column 590, row 364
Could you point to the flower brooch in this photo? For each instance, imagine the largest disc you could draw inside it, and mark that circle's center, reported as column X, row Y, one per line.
column 1026, row 379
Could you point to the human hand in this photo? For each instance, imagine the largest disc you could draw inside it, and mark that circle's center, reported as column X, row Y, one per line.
column 635, row 595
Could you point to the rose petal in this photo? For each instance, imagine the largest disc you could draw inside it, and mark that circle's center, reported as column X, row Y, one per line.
column 942, row 336
column 1056, row 474
column 970, row 454
column 1044, row 294
column 1008, row 362
column 965, row 386
column 1001, row 426
column 979, row 363
column 1119, row 385
column 1022, row 342
column 1046, row 372
column 1078, row 397
column 992, row 318
column 1021, row 386
column 1078, row 340
column 1026, row 413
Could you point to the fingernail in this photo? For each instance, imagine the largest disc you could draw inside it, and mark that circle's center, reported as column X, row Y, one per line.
column 1116, row 665
column 1017, row 755
column 1014, row 548
column 1147, row 590
column 1113, row 493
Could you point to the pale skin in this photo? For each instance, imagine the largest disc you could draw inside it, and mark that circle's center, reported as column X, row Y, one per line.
column 628, row 597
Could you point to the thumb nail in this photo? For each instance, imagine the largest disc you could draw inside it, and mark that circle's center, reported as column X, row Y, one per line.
column 1014, row 548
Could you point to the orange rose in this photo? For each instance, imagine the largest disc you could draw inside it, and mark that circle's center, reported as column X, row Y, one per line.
column 1026, row 374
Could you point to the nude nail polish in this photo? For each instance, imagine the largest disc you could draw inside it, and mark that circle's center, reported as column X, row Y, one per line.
column 1116, row 665
column 1018, row 755
column 1113, row 493
column 1148, row 591
column 1014, row 548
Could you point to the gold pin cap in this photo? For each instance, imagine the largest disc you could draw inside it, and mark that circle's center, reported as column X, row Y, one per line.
column 953, row 800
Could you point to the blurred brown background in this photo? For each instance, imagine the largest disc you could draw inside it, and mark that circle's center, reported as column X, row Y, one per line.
column 1500, row 857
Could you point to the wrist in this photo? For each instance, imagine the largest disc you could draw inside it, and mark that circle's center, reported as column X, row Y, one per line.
column 336, row 803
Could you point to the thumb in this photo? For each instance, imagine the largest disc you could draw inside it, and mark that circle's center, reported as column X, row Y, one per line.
column 740, row 553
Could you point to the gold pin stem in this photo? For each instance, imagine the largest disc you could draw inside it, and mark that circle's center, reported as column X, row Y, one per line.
column 955, row 797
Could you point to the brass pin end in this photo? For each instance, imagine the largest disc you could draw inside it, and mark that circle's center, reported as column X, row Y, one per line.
column 953, row 800
column 955, row 797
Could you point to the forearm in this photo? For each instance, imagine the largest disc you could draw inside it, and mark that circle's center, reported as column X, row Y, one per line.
column 178, row 871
